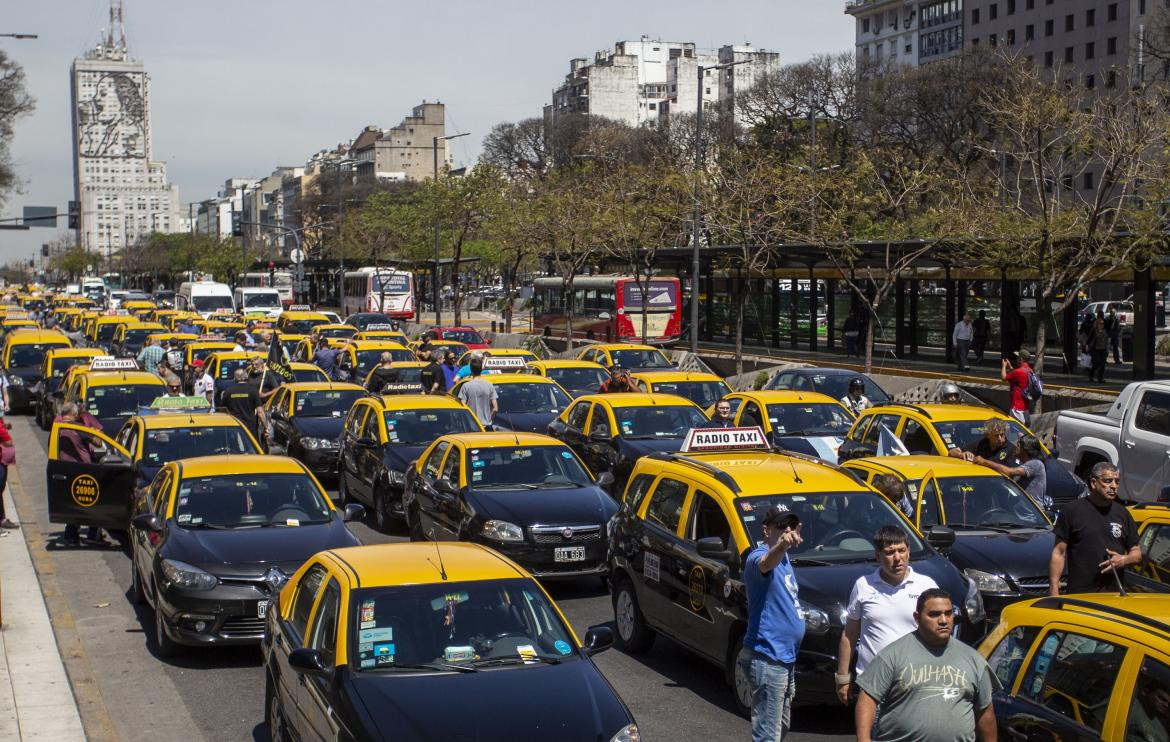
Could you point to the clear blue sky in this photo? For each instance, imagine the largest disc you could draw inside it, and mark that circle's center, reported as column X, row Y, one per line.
column 240, row 87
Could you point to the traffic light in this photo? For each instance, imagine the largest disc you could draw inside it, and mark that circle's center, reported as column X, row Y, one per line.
column 74, row 215
column 237, row 227
column 44, row 251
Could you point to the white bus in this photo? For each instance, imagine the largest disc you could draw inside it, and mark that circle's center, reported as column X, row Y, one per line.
column 282, row 281
column 205, row 297
column 378, row 290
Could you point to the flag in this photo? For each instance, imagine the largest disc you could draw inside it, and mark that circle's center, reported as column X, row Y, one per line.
column 888, row 445
column 276, row 364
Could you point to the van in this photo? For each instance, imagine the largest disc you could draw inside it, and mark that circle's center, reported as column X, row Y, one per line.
column 205, row 297
column 257, row 300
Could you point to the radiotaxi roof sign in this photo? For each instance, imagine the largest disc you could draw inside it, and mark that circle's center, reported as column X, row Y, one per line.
column 109, row 363
column 724, row 439
column 504, row 362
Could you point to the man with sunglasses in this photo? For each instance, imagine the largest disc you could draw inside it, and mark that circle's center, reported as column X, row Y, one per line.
column 1096, row 538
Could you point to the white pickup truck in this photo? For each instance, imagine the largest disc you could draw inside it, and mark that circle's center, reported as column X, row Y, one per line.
column 1134, row 435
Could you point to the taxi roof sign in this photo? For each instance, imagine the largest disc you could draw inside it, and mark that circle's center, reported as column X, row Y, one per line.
column 180, row 403
column 379, row 326
column 724, row 439
column 504, row 362
column 300, row 308
column 109, row 363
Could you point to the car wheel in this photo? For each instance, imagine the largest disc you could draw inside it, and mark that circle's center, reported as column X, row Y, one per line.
column 137, row 594
column 740, row 683
column 633, row 635
column 167, row 647
column 274, row 714
column 381, row 517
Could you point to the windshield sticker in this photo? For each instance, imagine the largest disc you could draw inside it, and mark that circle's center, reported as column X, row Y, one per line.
column 384, row 649
column 748, row 518
column 476, row 476
column 368, row 624
column 566, row 455
column 292, row 522
column 385, row 634
column 562, row 646
column 182, row 500
column 392, row 436
column 521, row 453
column 478, row 464
column 746, row 507
column 368, row 663
column 367, row 612
column 437, row 603
column 474, row 451
column 650, row 565
column 458, row 654
column 526, row 652
column 184, row 518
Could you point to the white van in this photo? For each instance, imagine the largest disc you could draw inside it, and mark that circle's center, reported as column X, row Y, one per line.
column 205, row 297
column 253, row 300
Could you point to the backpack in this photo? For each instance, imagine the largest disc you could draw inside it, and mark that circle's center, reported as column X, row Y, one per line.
column 1034, row 389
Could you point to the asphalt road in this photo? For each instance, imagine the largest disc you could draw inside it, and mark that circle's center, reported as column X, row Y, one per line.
column 125, row 692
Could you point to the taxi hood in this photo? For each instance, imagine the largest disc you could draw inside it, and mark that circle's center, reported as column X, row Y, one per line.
column 1024, row 553
column 633, row 449
column 319, row 427
column 247, row 551
column 828, row 587
column 824, row 447
column 399, row 458
column 586, row 506
column 524, row 422
column 570, row 701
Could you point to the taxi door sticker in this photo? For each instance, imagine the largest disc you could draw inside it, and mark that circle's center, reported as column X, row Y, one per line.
column 697, row 587
column 650, row 565
column 85, row 491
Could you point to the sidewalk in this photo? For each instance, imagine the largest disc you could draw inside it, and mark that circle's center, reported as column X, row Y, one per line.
column 36, row 701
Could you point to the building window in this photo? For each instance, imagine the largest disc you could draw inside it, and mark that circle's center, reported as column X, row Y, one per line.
column 974, row 42
column 1141, row 7
column 993, row 40
column 1048, row 27
column 1112, row 12
column 1090, row 50
column 909, row 48
column 1067, row 182
column 974, row 16
column 1111, row 79
column 1011, row 37
column 1111, row 45
column 1070, row 22
column 1030, row 5
column 993, row 11
column 1029, row 32
column 1011, row 6
column 1090, row 81
column 1088, row 181
column 1068, row 54
column 1091, row 17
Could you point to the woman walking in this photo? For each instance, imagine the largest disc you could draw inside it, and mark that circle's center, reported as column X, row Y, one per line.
column 7, row 456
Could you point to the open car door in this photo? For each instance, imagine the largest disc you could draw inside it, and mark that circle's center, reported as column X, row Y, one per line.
column 90, row 478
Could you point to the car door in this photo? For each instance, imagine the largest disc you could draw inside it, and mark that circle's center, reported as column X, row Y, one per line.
column 750, row 415
column 573, row 430
column 699, row 600
column 600, row 455
column 1142, row 713
column 659, row 582
column 1145, row 446
column 928, row 508
column 317, row 695
column 370, row 453
column 290, row 634
column 350, row 451
column 868, row 444
column 146, row 541
column 278, row 413
column 1153, row 574
column 424, row 491
column 451, row 511
column 90, row 478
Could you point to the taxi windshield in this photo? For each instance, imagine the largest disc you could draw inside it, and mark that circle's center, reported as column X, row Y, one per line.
column 965, row 434
column 657, row 421
column 62, row 365
column 640, row 358
column 168, row 444
column 702, row 393
column 250, row 500
column 431, row 627
column 532, row 397
column 309, row 374
column 809, row 419
column 301, row 326
column 228, row 366
column 529, row 467
column 420, row 427
column 988, row 501
column 106, row 331
column 579, row 379
column 29, row 355
column 338, row 332
column 464, row 336
column 200, row 354
column 835, row 526
column 367, row 359
column 121, row 401
column 137, row 337
column 325, row 402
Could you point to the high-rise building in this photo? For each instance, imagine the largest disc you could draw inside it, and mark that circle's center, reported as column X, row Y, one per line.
column 406, row 152
column 123, row 193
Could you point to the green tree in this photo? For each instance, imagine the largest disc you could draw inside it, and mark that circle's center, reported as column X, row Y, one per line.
column 75, row 262
column 15, row 102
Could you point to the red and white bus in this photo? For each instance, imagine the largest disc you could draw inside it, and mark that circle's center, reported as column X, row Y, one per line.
column 384, row 290
column 609, row 308
column 280, row 280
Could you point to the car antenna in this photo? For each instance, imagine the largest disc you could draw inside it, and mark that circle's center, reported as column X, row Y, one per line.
column 439, row 554
column 795, row 476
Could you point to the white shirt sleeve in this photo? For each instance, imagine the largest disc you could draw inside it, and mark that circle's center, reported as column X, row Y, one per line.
column 853, row 609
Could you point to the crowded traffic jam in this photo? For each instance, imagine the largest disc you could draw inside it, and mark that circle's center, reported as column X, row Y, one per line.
column 772, row 530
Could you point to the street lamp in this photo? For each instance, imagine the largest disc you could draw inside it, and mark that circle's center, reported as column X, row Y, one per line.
column 341, row 210
column 435, row 275
column 697, row 214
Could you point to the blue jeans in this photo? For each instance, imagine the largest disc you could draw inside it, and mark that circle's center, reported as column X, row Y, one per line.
column 773, row 686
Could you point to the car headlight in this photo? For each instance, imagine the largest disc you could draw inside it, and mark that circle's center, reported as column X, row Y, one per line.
column 315, row 444
column 973, row 604
column 627, row 734
column 187, row 576
column 816, row 621
column 397, row 478
column 14, row 380
column 502, row 530
column 987, row 582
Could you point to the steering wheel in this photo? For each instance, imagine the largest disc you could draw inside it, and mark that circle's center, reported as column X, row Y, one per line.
column 995, row 515
column 290, row 512
column 840, row 536
column 488, row 643
column 557, row 478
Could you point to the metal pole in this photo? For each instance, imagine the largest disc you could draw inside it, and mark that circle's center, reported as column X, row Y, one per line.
column 696, row 216
column 812, row 157
column 435, row 275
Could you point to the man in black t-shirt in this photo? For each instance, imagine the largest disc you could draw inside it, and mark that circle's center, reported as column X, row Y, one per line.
column 242, row 400
column 384, row 373
column 431, row 376
column 1095, row 536
column 993, row 446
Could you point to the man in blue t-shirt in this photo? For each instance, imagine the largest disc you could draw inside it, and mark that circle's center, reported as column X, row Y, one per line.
column 775, row 625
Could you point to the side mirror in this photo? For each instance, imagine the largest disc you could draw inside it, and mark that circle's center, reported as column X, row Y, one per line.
column 445, row 487
column 674, row 364
column 353, row 511
column 307, row 662
column 604, row 479
column 604, row 315
column 600, row 433
column 147, row 522
column 712, row 547
column 940, row 537
column 598, row 639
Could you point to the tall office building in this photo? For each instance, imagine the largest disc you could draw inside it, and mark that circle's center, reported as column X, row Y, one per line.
column 121, row 192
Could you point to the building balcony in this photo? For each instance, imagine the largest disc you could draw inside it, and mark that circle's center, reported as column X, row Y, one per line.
column 853, row 7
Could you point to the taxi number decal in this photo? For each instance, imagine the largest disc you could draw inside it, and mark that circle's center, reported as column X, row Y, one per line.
column 650, row 564
column 697, row 587
column 85, row 491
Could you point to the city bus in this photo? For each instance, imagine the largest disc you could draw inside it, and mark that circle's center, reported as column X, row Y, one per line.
column 282, row 281
column 609, row 308
column 384, row 290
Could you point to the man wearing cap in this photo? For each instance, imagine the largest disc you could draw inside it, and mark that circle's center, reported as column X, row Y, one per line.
column 202, row 385
column 775, row 626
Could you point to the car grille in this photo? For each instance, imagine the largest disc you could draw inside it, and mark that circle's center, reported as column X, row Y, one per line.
column 242, row 626
column 1034, row 585
column 556, row 535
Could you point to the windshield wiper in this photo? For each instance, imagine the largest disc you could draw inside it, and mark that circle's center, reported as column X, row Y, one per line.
column 517, row 661
column 425, row 666
column 977, row 527
column 805, row 561
column 506, row 485
column 1006, row 525
column 211, row 526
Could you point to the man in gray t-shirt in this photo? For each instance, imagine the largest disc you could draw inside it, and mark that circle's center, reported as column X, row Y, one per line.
column 927, row 685
column 1029, row 473
column 480, row 395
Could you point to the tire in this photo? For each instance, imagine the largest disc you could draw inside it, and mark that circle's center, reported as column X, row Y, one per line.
column 167, row 647
column 633, row 635
column 274, row 714
column 137, row 594
column 741, row 692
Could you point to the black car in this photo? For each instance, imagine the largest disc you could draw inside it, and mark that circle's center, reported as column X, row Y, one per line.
column 470, row 649
column 164, row 299
column 307, row 419
column 214, row 538
column 831, row 381
column 527, row 404
column 47, row 393
column 528, row 497
column 362, row 320
column 382, row 437
column 22, row 371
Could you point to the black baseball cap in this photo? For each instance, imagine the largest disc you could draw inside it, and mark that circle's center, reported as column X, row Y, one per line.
column 782, row 517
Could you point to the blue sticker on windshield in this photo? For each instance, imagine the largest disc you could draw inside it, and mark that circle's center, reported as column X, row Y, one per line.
column 566, row 455
column 478, row 463
column 563, row 646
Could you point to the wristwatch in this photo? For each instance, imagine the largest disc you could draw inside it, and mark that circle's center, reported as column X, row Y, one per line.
column 845, row 679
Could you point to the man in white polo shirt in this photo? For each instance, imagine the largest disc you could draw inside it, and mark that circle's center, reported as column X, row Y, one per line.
column 881, row 606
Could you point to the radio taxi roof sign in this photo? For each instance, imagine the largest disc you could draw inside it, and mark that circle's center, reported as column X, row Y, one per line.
column 724, row 439
column 504, row 362
column 109, row 363
column 377, row 326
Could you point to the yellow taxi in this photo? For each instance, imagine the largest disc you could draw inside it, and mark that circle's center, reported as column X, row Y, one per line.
column 395, row 619
column 112, row 396
column 306, row 420
column 130, row 338
column 934, row 428
column 300, row 322
column 1153, row 522
column 702, row 388
column 526, row 403
column 218, row 327
column 630, row 356
column 23, row 353
column 57, row 363
column 305, row 349
column 335, row 331
column 10, row 323
column 64, row 315
column 500, row 360
column 137, row 305
column 289, row 342
column 409, row 379
column 173, row 321
column 358, row 357
column 1093, row 666
column 304, row 372
column 687, row 520
column 459, row 349
column 162, row 316
column 806, row 422
column 221, row 366
column 575, row 377
column 100, row 331
column 383, row 436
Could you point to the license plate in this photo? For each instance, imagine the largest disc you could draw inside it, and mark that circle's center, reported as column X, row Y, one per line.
column 261, row 608
column 569, row 554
